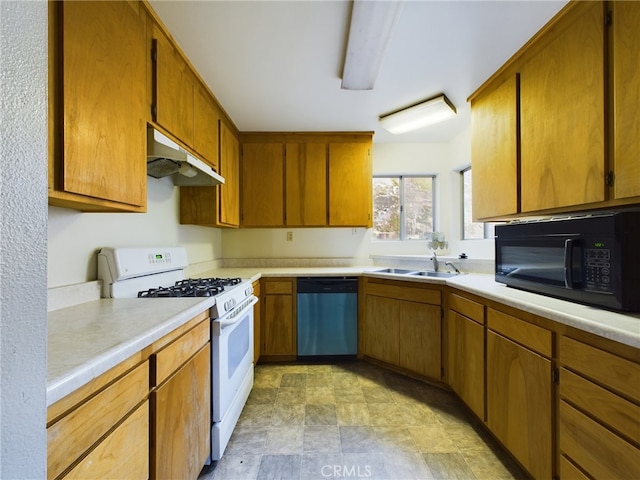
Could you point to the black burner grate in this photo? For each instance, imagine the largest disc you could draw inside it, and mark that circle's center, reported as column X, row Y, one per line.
column 191, row 287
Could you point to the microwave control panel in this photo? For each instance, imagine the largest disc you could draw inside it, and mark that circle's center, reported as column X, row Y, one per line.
column 597, row 270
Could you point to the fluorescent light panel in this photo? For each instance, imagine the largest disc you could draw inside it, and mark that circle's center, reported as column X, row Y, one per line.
column 418, row 116
column 372, row 23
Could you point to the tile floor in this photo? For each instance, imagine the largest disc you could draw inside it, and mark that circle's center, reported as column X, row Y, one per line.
column 355, row 420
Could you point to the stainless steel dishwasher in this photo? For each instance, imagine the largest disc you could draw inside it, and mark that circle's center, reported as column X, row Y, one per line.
column 327, row 317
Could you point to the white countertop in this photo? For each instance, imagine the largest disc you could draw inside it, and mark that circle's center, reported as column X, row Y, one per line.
column 88, row 339
column 623, row 328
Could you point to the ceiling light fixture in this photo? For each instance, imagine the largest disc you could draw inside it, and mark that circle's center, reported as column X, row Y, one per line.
column 372, row 23
column 419, row 115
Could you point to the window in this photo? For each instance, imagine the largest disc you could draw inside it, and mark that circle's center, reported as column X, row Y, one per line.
column 402, row 207
column 470, row 229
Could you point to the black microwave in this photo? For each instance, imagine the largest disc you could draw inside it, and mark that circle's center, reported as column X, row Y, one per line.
column 592, row 259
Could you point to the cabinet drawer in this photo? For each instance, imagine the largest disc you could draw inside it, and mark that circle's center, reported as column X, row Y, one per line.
column 531, row 336
column 124, row 454
column 609, row 370
column 466, row 307
column 608, row 407
column 170, row 358
column 568, row 471
column 599, row 452
column 276, row 288
column 73, row 434
column 421, row 295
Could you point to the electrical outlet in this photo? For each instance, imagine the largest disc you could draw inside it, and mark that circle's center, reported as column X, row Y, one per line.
column 289, row 236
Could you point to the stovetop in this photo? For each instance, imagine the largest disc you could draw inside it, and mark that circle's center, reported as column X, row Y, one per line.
column 191, row 287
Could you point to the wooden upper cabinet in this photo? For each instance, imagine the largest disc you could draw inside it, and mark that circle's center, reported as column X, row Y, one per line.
column 205, row 126
column 306, row 184
column 350, row 184
column 563, row 121
column 262, row 185
column 173, row 89
column 304, row 179
column 494, row 150
column 98, row 106
column 626, row 98
column 229, row 193
column 217, row 206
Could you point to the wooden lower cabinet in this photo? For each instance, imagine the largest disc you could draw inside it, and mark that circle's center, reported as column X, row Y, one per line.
column 278, row 318
column 101, row 430
column 419, row 332
column 147, row 417
column 402, row 327
column 466, row 356
column 381, row 329
column 519, row 392
column 599, row 417
column 181, row 405
column 123, row 454
column 182, row 420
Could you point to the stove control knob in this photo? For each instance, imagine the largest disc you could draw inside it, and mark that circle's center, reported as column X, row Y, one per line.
column 248, row 291
column 229, row 304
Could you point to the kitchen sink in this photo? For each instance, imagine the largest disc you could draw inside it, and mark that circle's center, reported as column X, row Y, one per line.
column 435, row 274
column 397, row 271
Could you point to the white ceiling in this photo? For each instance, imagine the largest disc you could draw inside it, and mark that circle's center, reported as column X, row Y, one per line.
column 276, row 65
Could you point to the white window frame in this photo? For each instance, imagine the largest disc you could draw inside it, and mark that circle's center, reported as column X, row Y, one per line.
column 487, row 227
column 401, row 178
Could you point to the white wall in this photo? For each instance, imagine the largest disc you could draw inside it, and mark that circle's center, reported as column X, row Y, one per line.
column 461, row 159
column 23, row 217
column 444, row 160
column 75, row 237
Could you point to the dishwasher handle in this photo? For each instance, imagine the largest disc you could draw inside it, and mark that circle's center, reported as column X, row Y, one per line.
column 327, row 285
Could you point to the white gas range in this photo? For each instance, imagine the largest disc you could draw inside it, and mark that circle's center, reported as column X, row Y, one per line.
column 158, row 273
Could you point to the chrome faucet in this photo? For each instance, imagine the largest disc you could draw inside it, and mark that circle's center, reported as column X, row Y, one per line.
column 453, row 266
column 436, row 264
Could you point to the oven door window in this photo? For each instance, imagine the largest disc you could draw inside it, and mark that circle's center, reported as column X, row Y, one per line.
column 238, row 346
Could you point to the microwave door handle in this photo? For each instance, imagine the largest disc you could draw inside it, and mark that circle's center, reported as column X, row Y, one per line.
column 568, row 263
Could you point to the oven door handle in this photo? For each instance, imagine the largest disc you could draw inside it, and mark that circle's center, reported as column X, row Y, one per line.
column 233, row 316
column 568, row 263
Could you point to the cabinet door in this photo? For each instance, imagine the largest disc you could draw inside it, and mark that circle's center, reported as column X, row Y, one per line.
column 182, row 414
column 229, row 193
column 466, row 361
column 420, row 338
column 173, row 90
column 205, row 127
column 519, row 403
column 350, row 184
column 306, row 184
column 124, row 454
column 626, row 98
column 104, row 124
column 563, row 121
column 494, row 150
column 278, row 326
column 262, row 185
column 382, row 333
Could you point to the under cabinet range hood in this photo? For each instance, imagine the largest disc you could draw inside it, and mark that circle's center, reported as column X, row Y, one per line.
column 165, row 157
